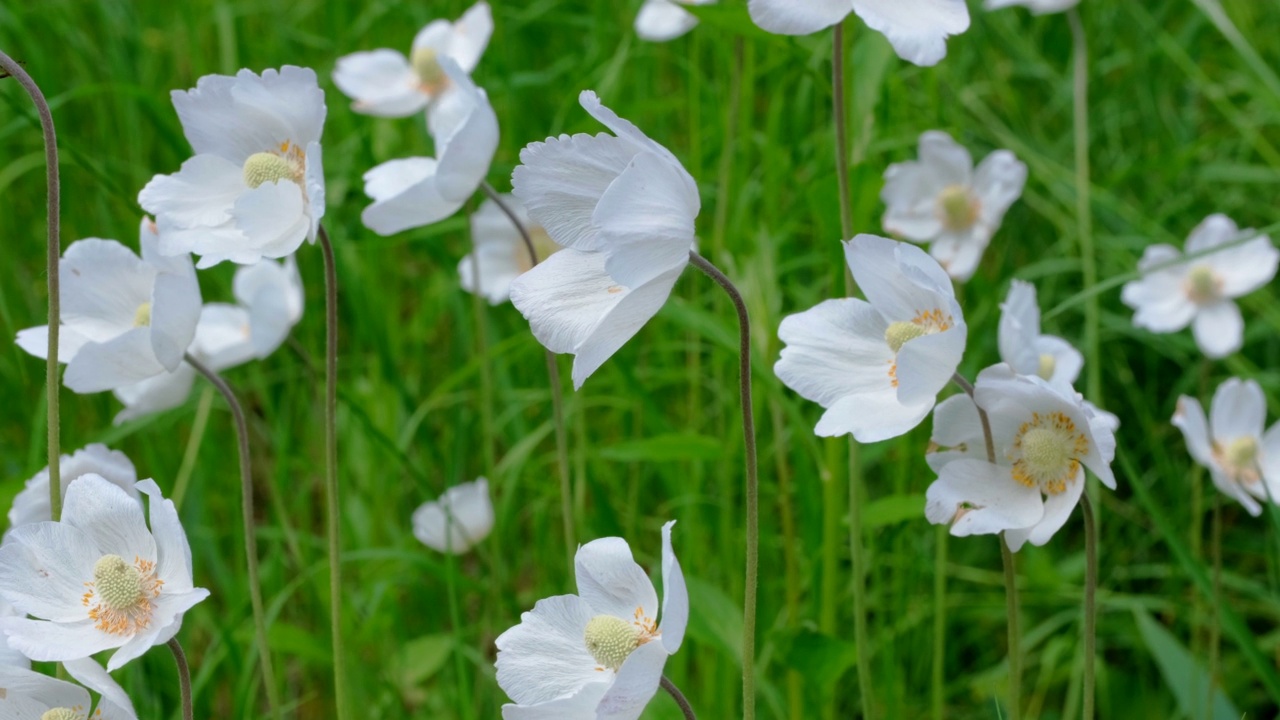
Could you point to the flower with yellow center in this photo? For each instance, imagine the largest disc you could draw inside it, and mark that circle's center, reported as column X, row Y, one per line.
column 917, row 29
column 599, row 653
column 1243, row 461
column 1025, row 349
column 99, row 578
column 500, row 255
column 1044, row 437
column 29, row 695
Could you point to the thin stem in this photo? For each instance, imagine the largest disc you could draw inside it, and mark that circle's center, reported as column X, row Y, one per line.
column 967, row 387
column 1084, row 215
column 753, row 482
column 189, row 457
column 455, row 618
column 250, row 536
column 939, row 623
column 1215, row 548
column 1090, row 600
column 842, row 130
column 557, row 398
column 486, row 364
column 334, row 524
column 53, row 248
column 184, row 677
column 679, row 697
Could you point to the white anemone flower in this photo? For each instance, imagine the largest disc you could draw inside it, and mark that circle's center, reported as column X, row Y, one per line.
column 1044, row 439
column 1025, row 349
column 877, row 365
column 1171, row 294
column 598, row 654
column 624, row 209
column 255, row 187
column 917, row 29
column 99, row 579
column 10, row 657
column 458, row 520
column 663, row 20
column 1243, row 461
column 124, row 318
column 942, row 200
column 32, row 503
column 500, row 255
column 29, row 694
column 416, row 191
column 385, row 83
column 1039, row 7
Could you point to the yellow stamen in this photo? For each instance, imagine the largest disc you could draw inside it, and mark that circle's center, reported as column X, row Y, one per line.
column 142, row 316
column 1047, row 452
column 1047, row 365
column 430, row 74
column 123, row 594
column 1203, row 285
column 267, row 167
column 610, row 640
column 899, row 333
column 958, row 207
column 62, row 714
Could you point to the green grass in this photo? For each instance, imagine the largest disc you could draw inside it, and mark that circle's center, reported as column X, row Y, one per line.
column 1183, row 124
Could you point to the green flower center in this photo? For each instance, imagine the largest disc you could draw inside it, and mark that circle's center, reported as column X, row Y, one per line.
column 1047, row 365
column 142, row 316
column 61, row 714
column 265, row 167
column 898, row 333
column 1047, row 452
column 119, row 584
column 610, row 640
column 1242, row 452
column 959, row 207
column 1203, row 285
column 427, row 66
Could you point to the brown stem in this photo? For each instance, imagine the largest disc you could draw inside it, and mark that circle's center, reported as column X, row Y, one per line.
column 184, row 677
column 679, row 697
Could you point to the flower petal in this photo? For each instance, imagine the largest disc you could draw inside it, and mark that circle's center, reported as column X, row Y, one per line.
column 381, row 83
column 675, row 596
column 166, row 618
column 469, row 143
column 1218, row 329
column 464, row 41
column 89, row 673
column 155, row 394
column 789, row 17
column 561, row 180
column 646, row 221
column 636, row 684
column 926, row 364
column 1067, row 361
column 109, row 517
column 998, row 182
column 460, row 519
column 833, row 350
column 173, row 558
column 663, row 20
column 957, row 433
column 900, row 280
column 1057, row 510
column 977, row 498
column 123, row 360
column 872, row 417
column 175, row 310
column 405, row 196
column 1020, row 329
column 917, row 29
column 1158, row 297
column 274, row 221
column 611, row 582
column 200, row 194
column 32, row 503
column 237, row 116
column 43, row 569
column 103, row 285
column 545, row 657
column 30, row 694
column 581, row 703
column 1239, row 410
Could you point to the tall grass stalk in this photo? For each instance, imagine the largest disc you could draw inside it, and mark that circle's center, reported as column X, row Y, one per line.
column 1090, row 601
column 1084, row 212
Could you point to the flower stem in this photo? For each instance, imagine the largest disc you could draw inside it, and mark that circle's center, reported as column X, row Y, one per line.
column 184, row 677
column 679, row 697
column 939, row 624
column 557, row 398
column 1090, row 600
column 189, row 457
column 334, row 524
column 842, row 131
column 53, row 249
column 1215, row 549
column 486, row 364
column 1084, row 216
column 753, row 482
column 250, row 536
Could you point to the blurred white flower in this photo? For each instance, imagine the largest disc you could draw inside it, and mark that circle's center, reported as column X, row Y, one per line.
column 458, row 521
column 624, row 209
column 942, row 200
column 1171, row 294
column 876, row 366
column 124, row 318
column 917, row 29
column 500, row 255
column 598, row 654
column 663, row 20
column 1044, row 439
column 99, row 579
column 32, row 503
column 255, row 187
column 385, row 83
column 1025, row 349
column 1038, row 7
column 417, row 191
column 1243, row 462
column 29, row 694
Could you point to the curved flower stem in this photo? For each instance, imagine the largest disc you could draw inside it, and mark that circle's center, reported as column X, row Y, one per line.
column 334, row 523
column 679, row 697
column 184, row 677
column 1090, row 600
column 1084, row 215
column 250, row 537
column 1010, row 571
column 753, row 482
column 1215, row 549
column 53, row 248
column 557, row 401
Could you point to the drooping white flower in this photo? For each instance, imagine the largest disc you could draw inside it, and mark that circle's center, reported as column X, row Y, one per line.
column 942, row 200
column 417, row 191
column 1243, row 461
column 124, row 318
column 1172, row 294
column 385, row 83
column 624, row 209
column 1044, row 437
column 598, row 654
column 877, row 365
column 1025, row 349
column 457, row 521
column 1039, row 7
column 29, row 694
column 500, row 255
column 255, row 187
column 663, row 20
column 917, row 29
column 100, row 578
column 32, row 503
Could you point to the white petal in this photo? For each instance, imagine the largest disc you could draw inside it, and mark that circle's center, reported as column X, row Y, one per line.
column 998, row 182
column 926, row 364
column 636, row 684
column 103, row 285
column 32, row 503
column 45, row 641
column 1158, row 296
column 947, row 160
column 645, row 220
column 1269, row 463
column 910, row 195
column 224, row 336
column 43, row 569
column 89, row 673
column 1218, row 329
column 463, row 41
column 468, row 146
column 166, row 617
column 30, row 694
column 254, row 283
column 663, row 20
column 1020, row 329
column 545, row 657
column 200, row 194
column 1057, row 510
column 175, row 310
column 675, row 596
column 156, row 394
column 798, row 17
column 173, row 559
column 626, row 130
column 381, row 83
column 1067, row 361
column 611, row 582
column 1247, row 267
column 580, row 704
column 561, row 181
column 977, row 498
column 957, row 431
column 460, row 519
column 917, row 29
column 834, row 350
column 237, row 116
column 274, row 221
column 1039, row 7
column 124, row 360
column 900, row 280
column 959, row 253
column 1232, row 489
column 405, row 196
column 872, row 417
column 1239, row 410
column 110, row 517
column 35, row 340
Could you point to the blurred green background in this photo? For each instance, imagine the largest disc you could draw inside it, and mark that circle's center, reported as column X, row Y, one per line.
column 1184, row 123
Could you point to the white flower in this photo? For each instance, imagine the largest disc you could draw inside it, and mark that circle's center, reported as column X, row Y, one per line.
column 255, row 187
column 417, row 191
column 663, row 20
column 876, row 366
column 940, row 199
column 8, row 656
column 1039, row 7
column 387, row 84
column 624, row 208
column 1025, row 349
column 124, row 318
column 1243, row 462
column 32, row 503
column 598, row 654
column 500, row 255
column 917, row 29
column 458, row 521
column 35, row 696
column 99, row 579
column 1044, row 438
column 1172, row 294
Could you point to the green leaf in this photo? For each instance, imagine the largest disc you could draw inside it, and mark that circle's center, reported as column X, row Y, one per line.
column 892, row 510
column 666, row 448
column 1187, row 679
